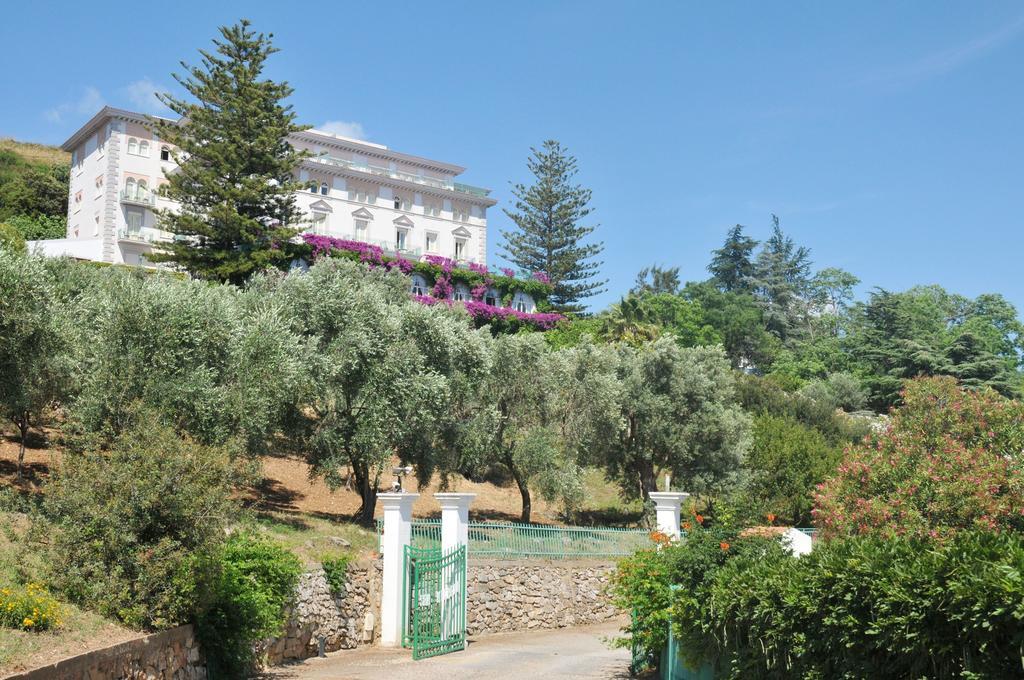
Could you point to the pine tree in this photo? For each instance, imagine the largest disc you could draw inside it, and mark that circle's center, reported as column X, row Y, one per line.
column 235, row 179
column 655, row 280
column 731, row 265
column 781, row 282
column 550, row 236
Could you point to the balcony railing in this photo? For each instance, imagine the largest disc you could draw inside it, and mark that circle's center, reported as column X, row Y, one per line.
column 386, row 246
column 446, row 184
column 138, row 197
column 143, row 234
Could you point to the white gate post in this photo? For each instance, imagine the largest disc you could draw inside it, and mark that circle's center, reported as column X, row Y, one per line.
column 666, row 505
column 454, row 519
column 397, row 534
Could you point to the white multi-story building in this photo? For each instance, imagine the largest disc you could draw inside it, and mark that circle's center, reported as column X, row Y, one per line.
column 354, row 189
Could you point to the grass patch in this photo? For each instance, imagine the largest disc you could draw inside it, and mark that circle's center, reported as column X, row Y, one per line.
column 37, row 154
column 315, row 539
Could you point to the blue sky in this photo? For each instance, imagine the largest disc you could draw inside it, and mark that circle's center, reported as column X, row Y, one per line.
column 887, row 136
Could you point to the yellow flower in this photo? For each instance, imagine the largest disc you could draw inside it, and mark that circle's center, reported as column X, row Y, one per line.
column 28, row 623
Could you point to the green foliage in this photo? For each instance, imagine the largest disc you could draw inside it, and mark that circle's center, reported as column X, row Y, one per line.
column 33, row 342
column 11, row 239
column 381, row 372
column 948, row 461
column 336, row 573
column 679, row 416
column 637, row 319
column 235, row 179
column 737, row 319
column 572, row 332
column 655, row 280
column 38, row 227
column 254, row 583
column 537, row 412
column 550, row 238
column 785, row 464
column 732, row 266
column 928, row 331
column 31, row 188
column 132, row 528
column 862, row 608
column 644, row 582
column 207, row 360
column 840, row 390
column 781, row 282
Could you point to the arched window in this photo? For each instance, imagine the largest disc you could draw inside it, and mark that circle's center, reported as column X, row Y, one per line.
column 324, row 188
column 133, row 146
column 143, row 188
column 129, row 187
column 419, row 285
column 143, row 148
column 165, row 153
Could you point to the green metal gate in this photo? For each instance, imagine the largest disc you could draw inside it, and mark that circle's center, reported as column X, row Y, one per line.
column 434, row 592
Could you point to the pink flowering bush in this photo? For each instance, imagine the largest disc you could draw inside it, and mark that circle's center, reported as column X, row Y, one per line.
column 950, row 459
column 542, row 277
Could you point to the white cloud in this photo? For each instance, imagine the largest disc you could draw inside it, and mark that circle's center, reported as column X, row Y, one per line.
column 944, row 61
column 89, row 103
column 142, row 95
column 343, row 129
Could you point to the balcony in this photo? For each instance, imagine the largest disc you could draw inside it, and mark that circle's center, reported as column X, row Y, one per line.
column 142, row 235
column 141, row 197
column 387, row 246
column 446, row 184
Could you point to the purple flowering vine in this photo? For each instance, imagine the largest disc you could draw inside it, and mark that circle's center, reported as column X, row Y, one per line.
column 510, row 273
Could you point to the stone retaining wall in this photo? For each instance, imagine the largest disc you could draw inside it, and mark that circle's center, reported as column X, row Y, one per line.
column 502, row 595
column 513, row 595
column 340, row 620
column 169, row 655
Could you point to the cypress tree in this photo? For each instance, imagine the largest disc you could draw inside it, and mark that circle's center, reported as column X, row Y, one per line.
column 550, row 237
column 235, row 178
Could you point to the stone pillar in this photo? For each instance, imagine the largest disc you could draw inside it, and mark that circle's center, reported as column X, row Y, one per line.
column 667, row 505
column 397, row 533
column 454, row 519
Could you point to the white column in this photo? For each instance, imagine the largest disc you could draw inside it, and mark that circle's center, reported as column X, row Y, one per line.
column 454, row 519
column 397, row 533
column 666, row 505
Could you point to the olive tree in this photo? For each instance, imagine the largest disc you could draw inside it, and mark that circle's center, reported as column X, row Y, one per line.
column 33, row 343
column 679, row 416
column 216, row 364
column 380, row 370
column 538, row 411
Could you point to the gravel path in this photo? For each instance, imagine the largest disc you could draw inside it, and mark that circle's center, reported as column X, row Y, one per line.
column 574, row 653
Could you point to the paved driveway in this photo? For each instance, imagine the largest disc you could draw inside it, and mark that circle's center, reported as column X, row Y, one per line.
column 575, row 653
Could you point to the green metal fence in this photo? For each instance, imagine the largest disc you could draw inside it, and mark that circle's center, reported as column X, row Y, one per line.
column 507, row 540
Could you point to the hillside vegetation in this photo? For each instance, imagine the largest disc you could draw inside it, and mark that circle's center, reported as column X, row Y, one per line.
column 33, row 190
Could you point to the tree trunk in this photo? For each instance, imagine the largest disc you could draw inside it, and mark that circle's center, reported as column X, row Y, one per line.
column 367, row 492
column 648, row 479
column 524, row 491
column 22, row 422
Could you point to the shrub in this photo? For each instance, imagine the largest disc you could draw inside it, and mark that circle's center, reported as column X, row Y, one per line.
column 863, row 607
column 38, row 227
column 133, row 528
column 29, row 608
column 11, row 238
column 642, row 584
column 254, row 583
column 950, row 459
column 786, row 463
column 336, row 573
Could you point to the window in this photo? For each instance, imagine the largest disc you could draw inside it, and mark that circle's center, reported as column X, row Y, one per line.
column 144, row 148
column 419, row 285
column 96, row 225
column 491, row 300
column 143, row 188
column 165, row 153
column 133, row 146
column 521, row 306
column 362, row 226
column 459, row 213
column 324, row 189
column 459, row 295
column 430, row 243
column 319, row 222
column 460, row 249
column 136, row 220
column 402, row 203
column 312, row 187
column 99, row 185
column 432, row 209
column 400, row 237
column 129, row 187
